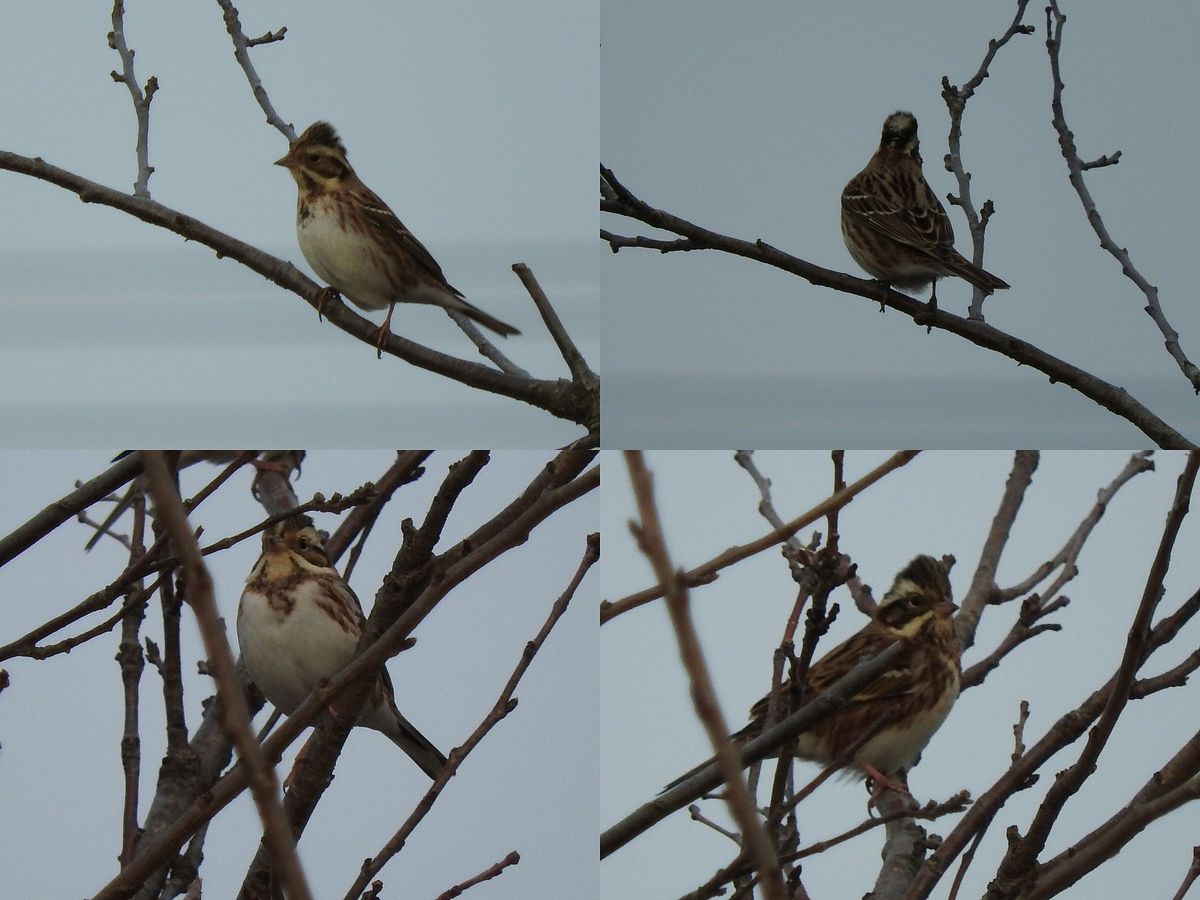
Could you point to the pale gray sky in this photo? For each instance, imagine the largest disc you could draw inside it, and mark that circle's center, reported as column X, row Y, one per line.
column 476, row 122
column 749, row 119
column 61, row 768
column 942, row 502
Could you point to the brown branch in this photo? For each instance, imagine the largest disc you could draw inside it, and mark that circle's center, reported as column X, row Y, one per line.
column 1190, row 876
column 487, row 874
column 956, row 103
column 1113, row 398
column 26, row 535
column 1020, row 775
column 984, row 591
column 1055, row 21
column 235, row 714
column 737, row 794
column 576, row 364
column 406, row 469
column 707, row 572
column 132, row 663
column 242, row 44
column 1168, row 789
column 504, row 704
column 561, row 398
column 1022, row 855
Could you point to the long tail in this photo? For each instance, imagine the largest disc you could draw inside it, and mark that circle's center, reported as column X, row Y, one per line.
column 473, row 312
column 688, row 774
column 981, row 278
column 419, row 748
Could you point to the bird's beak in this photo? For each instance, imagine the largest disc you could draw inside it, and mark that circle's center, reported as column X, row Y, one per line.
column 285, row 161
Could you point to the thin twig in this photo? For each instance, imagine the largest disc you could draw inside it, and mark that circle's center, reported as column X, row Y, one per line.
column 737, row 794
column 707, row 572
column 241, row 44
column 486, row 875
column 1055, row 21
column 235, row 713
column 141, row 99
column 504, row 704
column 956, row 102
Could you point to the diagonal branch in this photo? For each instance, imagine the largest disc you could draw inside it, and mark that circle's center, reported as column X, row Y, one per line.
column 1113, row 398
column 235, row 714
column 241, row 47
column 561, row 398
column 1075, row 169
column 707, row 572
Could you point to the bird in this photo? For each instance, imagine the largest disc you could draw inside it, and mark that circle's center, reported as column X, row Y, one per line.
column 894, row 225
column 354, row 241
column 921, row 685
column 298, row 623
column 281, row 461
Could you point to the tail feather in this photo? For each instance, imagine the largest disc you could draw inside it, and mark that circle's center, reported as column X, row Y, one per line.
column 980, row 278
column 473, row 312
column 418, row 747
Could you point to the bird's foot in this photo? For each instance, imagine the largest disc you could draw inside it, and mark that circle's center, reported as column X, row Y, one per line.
column 330, row 293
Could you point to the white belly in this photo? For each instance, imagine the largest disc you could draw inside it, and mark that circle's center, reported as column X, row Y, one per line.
column 351, row 263
column 288, row 657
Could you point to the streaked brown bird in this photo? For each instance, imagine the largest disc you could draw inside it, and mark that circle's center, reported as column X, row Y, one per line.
column 920, row 686
column 298, row 624
column 354, row 241
column 894, row 225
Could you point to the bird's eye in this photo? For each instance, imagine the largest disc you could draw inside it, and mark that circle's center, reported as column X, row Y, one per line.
column 313, row 157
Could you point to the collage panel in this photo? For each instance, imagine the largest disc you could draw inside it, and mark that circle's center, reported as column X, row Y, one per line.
column 135, row 745
column 333, row 229
column 923, row 674
column 931, row 224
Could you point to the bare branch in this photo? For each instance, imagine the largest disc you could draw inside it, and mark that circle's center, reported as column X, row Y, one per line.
column 1055, row 21
column 235, row 713
column 141, row 99
column 504, row 704
column 737, row 794
column 486, row 875
column 956, row 103
column 580, row 371
column 1022, row 854
column 241, row 44
column 1113, row 398
column 708, row 571
column 561, row 398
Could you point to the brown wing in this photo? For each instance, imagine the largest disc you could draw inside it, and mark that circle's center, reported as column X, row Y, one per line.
column 906, row 213
column 895, row 682
column 347, row 602
column 388, row 225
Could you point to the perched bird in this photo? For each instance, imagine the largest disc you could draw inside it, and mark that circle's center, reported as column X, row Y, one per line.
column 281, row 461
column 921, row 685
column 298, row 623
column 357, row 244
column 894, row 225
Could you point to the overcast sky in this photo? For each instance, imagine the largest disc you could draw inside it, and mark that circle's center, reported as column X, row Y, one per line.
column 751, row 123
column 475, row 121
column 940, row 503
column 526, row 788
